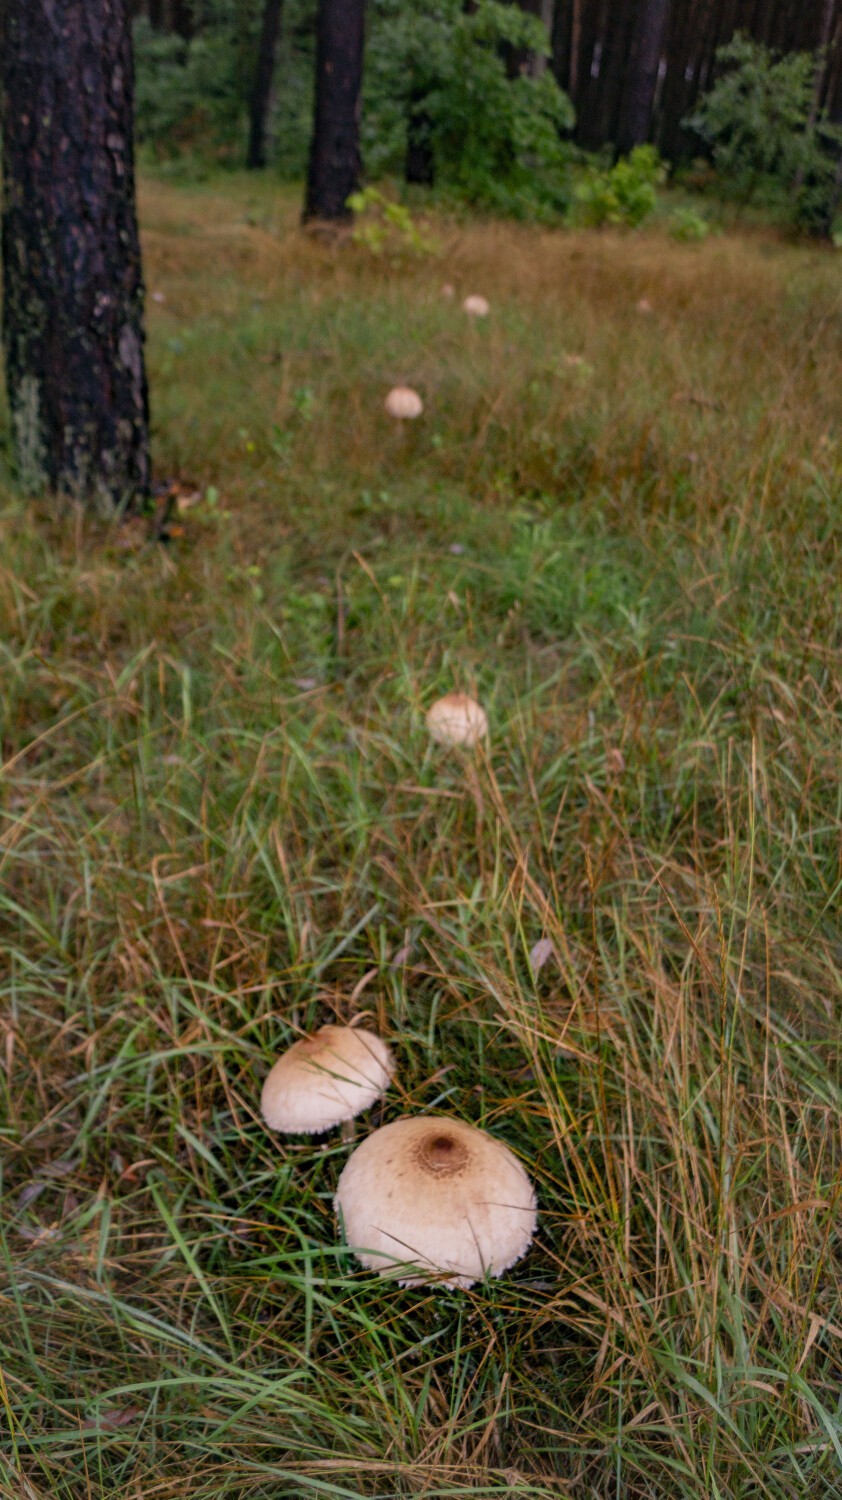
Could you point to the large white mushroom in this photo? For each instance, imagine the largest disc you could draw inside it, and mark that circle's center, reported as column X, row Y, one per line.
column 457, row 719
column 476, row 307
column 325, row 1079
column 435, row 1199
column 404, row 403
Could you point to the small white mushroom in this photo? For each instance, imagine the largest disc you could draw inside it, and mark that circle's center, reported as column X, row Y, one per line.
column 325, row 1079
column 476, row 307
column 426, row 1197
column 457, row 719
column 404, row 403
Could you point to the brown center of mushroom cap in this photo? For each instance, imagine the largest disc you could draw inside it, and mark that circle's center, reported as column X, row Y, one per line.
column 318, row 1041
column 442, row 1154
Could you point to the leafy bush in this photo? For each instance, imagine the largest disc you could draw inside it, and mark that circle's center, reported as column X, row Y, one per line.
column 193, row 95
column 766, row 141
column 383, row 226
column 688, row 226
column 623, row 194
column 496, row 133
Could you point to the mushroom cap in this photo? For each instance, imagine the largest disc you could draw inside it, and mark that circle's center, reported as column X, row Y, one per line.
column 437, row 1195
column 324, row 1079
column 476, row 307
column 404, row 403
column 457, row 719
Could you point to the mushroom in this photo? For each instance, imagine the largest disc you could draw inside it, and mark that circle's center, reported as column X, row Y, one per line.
column 325, row 1079
column 435, row 1197
column 476, row 307
column 457, row 719
column 404, row 403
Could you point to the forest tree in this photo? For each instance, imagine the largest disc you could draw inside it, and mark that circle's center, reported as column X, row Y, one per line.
column 334, row 170
column 73, row 289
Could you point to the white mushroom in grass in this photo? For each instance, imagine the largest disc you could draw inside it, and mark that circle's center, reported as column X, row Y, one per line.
column 435, row 1198
column 326, row 1079
column 457, row 719
column 476, row 307
column 404, row 403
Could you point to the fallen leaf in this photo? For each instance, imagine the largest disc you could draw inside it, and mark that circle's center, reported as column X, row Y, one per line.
column 115, row 1417
column 541, row 954
column 28, row 1194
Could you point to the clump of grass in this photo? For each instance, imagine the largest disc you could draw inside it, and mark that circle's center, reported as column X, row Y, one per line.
column 222, row 821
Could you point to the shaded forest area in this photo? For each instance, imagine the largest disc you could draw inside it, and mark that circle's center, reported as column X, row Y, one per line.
column 633, row 69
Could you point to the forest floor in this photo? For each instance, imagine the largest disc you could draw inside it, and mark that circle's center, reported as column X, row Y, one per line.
column 618, row 522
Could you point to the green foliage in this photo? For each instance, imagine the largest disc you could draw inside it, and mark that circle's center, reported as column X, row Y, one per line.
column 192, row 96
column 386, row 227
column 688, row 226
column 497, row 134
column 624, row 194
column 767, row 144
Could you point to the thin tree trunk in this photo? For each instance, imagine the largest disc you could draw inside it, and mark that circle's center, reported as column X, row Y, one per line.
column 73, row 303
column 420, row 166
column 642, row 78
column 334, row 171
column 523, row 61
column 546, row 14
column 181, row 18
column 262, row 88
column 575, row 46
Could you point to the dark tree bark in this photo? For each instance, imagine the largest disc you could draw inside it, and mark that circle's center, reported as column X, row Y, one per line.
column 642, row 75
column 420, row 165
column 181, row 18
column 334, row 171
column 73, row 290
column 262, row 87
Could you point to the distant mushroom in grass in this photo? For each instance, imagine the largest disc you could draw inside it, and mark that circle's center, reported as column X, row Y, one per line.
column 404, row 403
column 476, row 307
column 457, row 719
column 427, row 1198
column 325, row 1080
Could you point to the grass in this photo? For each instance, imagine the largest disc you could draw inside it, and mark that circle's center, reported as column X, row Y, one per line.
column 223, row 822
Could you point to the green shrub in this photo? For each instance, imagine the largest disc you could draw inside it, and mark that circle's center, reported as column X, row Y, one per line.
column 386, row 227
column 193, row 96
column 766, row 141
column 496, row 134
column 688, row 226
column 624, row 194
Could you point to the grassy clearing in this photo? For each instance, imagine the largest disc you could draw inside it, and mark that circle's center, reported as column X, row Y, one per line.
column 223, row 822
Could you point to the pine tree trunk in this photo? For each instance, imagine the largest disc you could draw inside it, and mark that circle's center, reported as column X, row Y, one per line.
column 420, row 165
column 181, row 18
column 642, row 79
column 262, row 88
column 73, row 290
column 335, row 150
